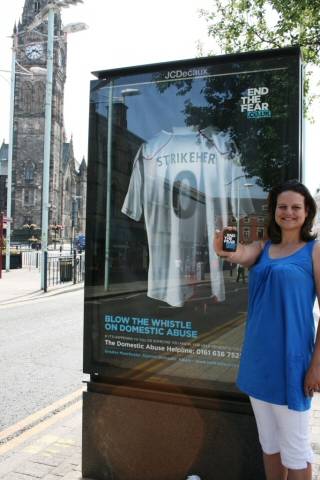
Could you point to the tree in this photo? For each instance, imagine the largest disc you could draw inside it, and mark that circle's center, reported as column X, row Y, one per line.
column 264, row 153
column 257, row 24
column 244, row 25
column 268, row 147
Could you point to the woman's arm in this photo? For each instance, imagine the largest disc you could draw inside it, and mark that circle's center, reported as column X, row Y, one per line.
column 245, row 255
column 312, row 379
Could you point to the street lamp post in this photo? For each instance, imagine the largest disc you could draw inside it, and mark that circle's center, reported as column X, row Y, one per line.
column 48, row 12
column 247, row 185
column 47, row 149
column 9, row 178
column 238, row 209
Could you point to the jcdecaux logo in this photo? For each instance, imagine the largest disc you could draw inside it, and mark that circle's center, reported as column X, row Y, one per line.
column 179, row 74
column 255, row 103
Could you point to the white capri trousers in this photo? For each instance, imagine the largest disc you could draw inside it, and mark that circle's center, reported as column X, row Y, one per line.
column 284, row 431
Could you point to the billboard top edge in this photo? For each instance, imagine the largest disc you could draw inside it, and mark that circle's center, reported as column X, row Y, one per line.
column 115, row 72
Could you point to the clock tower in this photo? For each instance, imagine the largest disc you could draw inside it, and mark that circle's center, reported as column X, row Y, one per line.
column 29, row 120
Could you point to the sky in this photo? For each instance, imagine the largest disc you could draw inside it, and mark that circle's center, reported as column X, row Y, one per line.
column 121, row 33
column 124, row 33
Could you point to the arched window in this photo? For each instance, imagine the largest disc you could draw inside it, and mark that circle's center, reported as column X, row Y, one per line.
column 39, row 93
column 61, row 109
column 58, row 107
column 29, row 173
column 28, row 198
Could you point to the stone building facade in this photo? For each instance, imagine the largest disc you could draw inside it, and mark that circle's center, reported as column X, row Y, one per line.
column 67, row 191
column 3, row 176
column 74, row 190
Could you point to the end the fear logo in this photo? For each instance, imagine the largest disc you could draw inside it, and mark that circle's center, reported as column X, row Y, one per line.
column 255, row 104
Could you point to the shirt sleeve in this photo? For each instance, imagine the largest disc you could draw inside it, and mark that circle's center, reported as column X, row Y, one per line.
column 133, row 202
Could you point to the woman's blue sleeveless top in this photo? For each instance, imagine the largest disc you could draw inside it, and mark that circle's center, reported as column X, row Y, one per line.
column 280, row 330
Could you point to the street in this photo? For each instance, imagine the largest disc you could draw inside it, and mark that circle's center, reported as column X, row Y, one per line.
column 41, row 353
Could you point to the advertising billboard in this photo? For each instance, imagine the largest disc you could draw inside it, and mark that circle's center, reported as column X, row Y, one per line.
column 176, row 151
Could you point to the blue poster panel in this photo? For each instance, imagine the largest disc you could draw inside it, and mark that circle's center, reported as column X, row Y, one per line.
column 177, row 151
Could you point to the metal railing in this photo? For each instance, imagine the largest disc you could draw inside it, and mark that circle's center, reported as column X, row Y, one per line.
column 30, row 259
column 61, row 267
column 65, row 268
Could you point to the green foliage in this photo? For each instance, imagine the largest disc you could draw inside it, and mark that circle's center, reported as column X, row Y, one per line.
column 265, row 154
column 247, row 25
column 244, row 25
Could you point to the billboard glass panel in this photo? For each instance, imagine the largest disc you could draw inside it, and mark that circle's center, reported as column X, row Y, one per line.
column 177, row 151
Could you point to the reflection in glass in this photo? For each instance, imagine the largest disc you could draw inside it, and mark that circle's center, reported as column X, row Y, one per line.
column 170, row 161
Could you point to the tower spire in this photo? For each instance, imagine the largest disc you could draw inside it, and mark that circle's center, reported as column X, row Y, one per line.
column 32, row 8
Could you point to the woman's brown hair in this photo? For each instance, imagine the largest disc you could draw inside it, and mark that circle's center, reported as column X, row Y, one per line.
column 273, row 229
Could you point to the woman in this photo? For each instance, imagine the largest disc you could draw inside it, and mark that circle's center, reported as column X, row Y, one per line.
column 280, row 361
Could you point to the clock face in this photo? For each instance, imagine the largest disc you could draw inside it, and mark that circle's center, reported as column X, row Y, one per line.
column 35, row 51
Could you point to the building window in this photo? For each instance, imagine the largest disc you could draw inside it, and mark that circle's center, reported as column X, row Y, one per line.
column 29, row 173
column 246, row 220
column 36, row 6
column 28, row 197
column 39, row 97
column 260, row 233
column 26, row 93
column 265, row 207
column 260, row 220
column 246, row 234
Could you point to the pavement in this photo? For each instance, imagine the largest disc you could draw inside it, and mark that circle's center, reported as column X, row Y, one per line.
column 24, row 284
column 47, row 445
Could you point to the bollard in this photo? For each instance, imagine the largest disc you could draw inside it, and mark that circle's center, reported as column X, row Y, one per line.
column 45, row 284
column 74, row 266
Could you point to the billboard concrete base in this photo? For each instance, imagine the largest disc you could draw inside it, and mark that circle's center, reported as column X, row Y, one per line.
column 135, row 434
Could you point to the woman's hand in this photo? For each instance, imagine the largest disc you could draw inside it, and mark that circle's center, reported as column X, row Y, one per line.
column 312, row 381
column 245, row 255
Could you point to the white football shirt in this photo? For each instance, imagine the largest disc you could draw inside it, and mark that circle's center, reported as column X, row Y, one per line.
column 181, row 181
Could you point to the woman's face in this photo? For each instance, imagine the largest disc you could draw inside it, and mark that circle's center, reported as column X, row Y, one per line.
column 290, row 211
